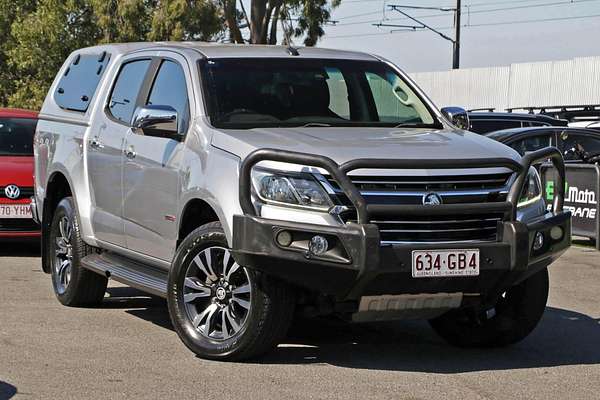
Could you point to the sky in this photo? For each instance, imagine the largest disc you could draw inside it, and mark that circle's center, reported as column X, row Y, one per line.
column 491, row 38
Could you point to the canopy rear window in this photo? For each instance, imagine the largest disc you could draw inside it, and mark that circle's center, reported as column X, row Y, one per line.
column 80, row 80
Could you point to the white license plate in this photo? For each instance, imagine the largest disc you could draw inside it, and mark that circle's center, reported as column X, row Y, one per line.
column 438, row 263
column 15, row 211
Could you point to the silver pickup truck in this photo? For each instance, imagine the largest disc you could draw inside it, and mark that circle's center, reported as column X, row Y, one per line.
column 248, row 184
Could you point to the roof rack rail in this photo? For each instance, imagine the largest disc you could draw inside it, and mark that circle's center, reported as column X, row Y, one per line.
column 569, row 113
column 488, row 109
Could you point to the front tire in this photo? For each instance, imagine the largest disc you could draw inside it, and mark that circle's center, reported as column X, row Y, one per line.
column 73, row 285
column 219, row 309
column 514, row 317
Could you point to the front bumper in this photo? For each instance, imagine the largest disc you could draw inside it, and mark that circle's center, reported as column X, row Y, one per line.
column 356, row 265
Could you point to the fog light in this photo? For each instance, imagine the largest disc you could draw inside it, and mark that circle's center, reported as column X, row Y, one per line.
column 538, row 241
column 318, row 245
column 557, row 233
column 284, row 238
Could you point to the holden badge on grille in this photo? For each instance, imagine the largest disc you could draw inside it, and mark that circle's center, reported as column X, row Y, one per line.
column 432, row 199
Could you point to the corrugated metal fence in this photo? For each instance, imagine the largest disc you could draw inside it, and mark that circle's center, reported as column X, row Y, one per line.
column 569, row 82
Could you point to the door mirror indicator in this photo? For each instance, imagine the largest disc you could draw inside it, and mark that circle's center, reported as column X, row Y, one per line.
column 156, row 120
column 459, row 117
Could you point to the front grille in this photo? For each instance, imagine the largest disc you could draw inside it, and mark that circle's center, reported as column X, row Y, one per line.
column 25, row 193
column 441, row 229
column 410, row 190
column 428, row 183
column 18, row 225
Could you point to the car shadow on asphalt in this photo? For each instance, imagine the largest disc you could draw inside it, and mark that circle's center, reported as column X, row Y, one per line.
column 563, row 337
column 19, row 249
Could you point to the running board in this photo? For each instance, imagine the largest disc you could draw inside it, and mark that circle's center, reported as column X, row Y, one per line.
column 129, row 272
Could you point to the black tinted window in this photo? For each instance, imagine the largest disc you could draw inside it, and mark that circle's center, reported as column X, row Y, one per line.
column 534, row 123
column 169, row 89
column 16, row 136
column 589, row 143
column 250, row 93
column 79, row 82
column 489, row 125
column 532, row 143
column 126, row 89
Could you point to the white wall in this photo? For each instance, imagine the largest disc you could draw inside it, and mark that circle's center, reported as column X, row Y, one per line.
column 569, row 82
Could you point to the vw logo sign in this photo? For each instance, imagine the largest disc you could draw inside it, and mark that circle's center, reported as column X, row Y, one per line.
column 12, row 192
column 432, row 199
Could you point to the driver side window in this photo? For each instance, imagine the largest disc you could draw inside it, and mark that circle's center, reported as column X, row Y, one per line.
column 170, row 89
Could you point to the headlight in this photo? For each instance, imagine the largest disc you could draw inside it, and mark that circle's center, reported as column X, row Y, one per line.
column 301, row 190
column 532, row 190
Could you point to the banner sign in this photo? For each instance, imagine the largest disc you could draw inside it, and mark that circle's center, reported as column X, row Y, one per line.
column 582, row 197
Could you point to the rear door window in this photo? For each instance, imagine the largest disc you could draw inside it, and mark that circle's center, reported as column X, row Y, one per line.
column 125, row 91
column 78, row 84
column 16, row 136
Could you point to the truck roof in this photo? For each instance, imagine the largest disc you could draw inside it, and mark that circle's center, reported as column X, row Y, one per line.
column 219, row 50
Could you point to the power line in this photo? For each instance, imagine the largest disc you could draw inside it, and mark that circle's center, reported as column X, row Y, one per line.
column 473, row 25
column 559, row 3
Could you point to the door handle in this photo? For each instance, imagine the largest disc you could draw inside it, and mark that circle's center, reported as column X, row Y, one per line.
column 129, row 152
column 95, row 143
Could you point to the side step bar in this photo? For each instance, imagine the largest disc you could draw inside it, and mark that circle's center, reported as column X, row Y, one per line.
column 129, row 272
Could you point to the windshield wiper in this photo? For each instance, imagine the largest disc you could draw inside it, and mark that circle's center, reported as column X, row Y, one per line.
column 316, row 124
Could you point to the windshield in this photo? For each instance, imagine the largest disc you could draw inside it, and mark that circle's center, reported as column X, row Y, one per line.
column 249, row 93
column 16, row 136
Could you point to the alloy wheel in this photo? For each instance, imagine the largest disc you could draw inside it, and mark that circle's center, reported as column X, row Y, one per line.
column 63, row 259
column 217, row 294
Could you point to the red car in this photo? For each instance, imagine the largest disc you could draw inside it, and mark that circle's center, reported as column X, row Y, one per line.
column 17, row 128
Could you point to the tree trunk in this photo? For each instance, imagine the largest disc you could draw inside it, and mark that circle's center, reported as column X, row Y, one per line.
column 274, row 21
column 229, row 8
column 258, row 10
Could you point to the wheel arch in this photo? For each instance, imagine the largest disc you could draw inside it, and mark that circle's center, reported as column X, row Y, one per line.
column 194, row 214
column 57, row 188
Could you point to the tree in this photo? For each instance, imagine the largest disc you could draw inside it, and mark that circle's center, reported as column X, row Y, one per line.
column 312, row 15
column 9, row 11
column 42, row 41
column 37, row 36
column 266, row 14
column 185, row 20
column 122, row 20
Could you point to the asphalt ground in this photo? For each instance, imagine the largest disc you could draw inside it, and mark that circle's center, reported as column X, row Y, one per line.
column 127, row 349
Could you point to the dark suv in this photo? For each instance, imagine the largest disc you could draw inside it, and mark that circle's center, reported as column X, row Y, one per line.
column 489, row 121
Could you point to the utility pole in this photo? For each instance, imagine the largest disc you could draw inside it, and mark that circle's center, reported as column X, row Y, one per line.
column 422, row 25
column 456, row 43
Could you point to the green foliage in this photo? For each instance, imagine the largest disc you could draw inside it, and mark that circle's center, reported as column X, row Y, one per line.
column 312, row 15
column 185, row 20
column 42, row 41
column 37, row 35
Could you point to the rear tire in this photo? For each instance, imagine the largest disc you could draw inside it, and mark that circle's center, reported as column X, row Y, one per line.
column 517, row 313
column 220, row 310
column 73, row 285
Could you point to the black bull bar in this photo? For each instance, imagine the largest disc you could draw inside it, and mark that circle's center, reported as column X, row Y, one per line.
column 366, row 211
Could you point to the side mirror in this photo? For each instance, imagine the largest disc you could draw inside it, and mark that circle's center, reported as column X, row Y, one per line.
column 156, row 120
column 459, row 117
